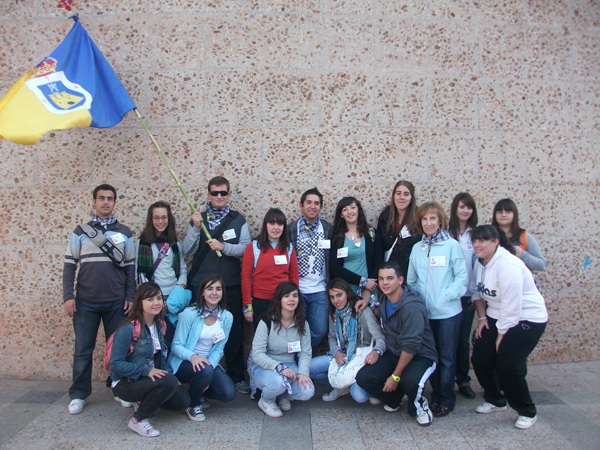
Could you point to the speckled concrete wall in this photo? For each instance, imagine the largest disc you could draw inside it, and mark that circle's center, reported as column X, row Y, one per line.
column 497, row 98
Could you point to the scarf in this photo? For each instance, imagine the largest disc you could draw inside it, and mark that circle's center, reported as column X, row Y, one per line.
column 439, row 236
column 145, row 260
column 311, row 259
column 214, row 215
column 346, row 331
column 106, row 222
column 207, row 312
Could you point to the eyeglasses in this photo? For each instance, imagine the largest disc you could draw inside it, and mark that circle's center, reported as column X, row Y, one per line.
column 160, row 218
column 221, row 193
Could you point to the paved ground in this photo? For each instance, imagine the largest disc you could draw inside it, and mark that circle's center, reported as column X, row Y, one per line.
column 33, row 415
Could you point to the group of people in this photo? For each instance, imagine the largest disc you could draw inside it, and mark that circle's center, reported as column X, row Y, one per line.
column 396, row 303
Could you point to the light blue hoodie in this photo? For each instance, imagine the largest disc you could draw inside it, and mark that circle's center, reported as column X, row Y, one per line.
column 441, row 284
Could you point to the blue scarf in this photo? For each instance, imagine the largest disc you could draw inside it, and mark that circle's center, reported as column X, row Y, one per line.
column 214, row 215
column 346, row 330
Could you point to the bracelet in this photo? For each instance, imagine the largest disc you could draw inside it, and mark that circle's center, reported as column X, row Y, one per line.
column 395, row 377
column 481, row 318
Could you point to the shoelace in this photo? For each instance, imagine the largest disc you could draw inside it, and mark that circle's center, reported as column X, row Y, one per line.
column 146, row 426
column 197, row 410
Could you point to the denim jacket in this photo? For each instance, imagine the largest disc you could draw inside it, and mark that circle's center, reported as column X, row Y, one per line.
column 140, row 362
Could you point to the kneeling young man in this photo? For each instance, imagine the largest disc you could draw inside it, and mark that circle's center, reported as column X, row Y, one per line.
column 410, row 358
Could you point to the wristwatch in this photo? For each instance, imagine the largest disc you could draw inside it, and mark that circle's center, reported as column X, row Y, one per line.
column 377, row 350
column 396, row 378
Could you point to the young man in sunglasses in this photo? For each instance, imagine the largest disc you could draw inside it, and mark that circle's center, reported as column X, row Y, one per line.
column 230, row 236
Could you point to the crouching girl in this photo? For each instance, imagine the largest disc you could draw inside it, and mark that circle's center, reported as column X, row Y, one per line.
column 137, row 364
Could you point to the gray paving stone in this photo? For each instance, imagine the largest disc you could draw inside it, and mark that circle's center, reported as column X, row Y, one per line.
column 573, row 425
column 36, row 396
column 294, row 428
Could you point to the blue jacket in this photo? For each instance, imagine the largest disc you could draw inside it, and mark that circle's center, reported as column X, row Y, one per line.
column 441, row 285
column 187, row 333
column 140, row 362
column 177, row 301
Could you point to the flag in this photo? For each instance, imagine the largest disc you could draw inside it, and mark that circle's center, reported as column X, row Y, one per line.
column 73, row 87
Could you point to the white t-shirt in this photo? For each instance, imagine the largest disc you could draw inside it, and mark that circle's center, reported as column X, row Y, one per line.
column 205, row 342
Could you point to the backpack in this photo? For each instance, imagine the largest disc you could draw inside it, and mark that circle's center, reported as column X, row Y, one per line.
column 137, row 329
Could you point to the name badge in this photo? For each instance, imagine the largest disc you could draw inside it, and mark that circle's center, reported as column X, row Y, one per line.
column 438, row 261
column 342, row 252
column 469, row 246
column 294, row 347
column 280, row 260
column 156, row 344
column 324, row 243
column 117, row 238
column 229, row 234
column 218, row 336
column 404, row 232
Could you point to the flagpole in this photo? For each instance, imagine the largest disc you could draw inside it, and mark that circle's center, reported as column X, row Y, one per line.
column 164, row 158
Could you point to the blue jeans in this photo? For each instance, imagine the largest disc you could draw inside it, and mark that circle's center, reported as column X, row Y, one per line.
column 86, row 320
column 319, row 366
column 446, row 335
column 271, row 385
column 220, row 386
column 316, row 309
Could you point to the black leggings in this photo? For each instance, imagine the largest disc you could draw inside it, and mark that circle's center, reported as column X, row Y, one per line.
column 506, row 369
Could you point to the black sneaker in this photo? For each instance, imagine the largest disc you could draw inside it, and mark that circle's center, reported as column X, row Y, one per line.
column 195, row 413
column 466, row 391
column 242, row 387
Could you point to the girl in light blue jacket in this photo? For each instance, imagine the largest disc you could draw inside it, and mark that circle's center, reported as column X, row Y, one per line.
column 200, row 337
column 438, row 272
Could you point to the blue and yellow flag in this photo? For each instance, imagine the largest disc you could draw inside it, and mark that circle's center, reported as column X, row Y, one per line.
column 74, row 87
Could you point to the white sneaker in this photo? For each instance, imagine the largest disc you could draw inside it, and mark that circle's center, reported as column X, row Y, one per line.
column 270, row 409
column 124, row 404
column 425, row 417
column 76, row 405
column 524, row 423
column 486, row 408
column 285, row 404
column 334, row 394
column 390, row 409
column 374, row 401
column 143, row 428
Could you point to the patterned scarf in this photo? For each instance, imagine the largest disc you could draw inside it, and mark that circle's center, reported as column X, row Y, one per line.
column 346, row 331
column 439, row 236
column 207, row 312
column 214, row 215
column 308, row 240
column 145, row 260
column 106, row 222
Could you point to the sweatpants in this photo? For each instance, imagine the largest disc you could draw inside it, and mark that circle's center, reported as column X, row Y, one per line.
column 506, row 369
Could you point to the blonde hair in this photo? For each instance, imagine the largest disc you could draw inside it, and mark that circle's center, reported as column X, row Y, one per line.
column 431, row 206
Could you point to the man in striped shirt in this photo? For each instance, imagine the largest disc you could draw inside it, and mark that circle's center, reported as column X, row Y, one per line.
column 104, row 290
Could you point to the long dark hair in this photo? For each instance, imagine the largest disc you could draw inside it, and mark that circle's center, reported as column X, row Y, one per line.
column 454, row 223
column 339, row 224
column 274, row 215
column 506, row 204
column 490, row 233
column 341, row 285
column 149, row 233
column 209, row 279
column 144, row 291
column 284, row 288
column 409, row 216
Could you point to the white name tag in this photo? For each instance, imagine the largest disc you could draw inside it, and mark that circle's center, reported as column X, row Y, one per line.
column 342, row 252
column 438, row 261
column 156, row 344
column 228, row 234
column 324, row 243
column 280, row 260
column 218, row 336
column 117, row 238
column 404, row 232
column 294, row 347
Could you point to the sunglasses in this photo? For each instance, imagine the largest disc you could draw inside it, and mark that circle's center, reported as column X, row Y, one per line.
column 221, row 193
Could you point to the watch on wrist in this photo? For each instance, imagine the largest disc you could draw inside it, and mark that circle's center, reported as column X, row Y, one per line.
column 396, row 378
column 377, row 350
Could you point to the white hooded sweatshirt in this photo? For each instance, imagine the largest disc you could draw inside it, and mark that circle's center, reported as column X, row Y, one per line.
column 507, row 286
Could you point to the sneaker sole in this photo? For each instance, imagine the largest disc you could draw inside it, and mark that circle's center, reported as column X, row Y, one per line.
column 196, row 419
column 493, row 410
column 285, row 408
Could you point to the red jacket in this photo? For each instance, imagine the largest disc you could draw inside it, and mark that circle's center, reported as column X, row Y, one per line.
column 261, row 282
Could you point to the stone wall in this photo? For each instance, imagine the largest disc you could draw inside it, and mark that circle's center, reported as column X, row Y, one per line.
column 496, row 98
